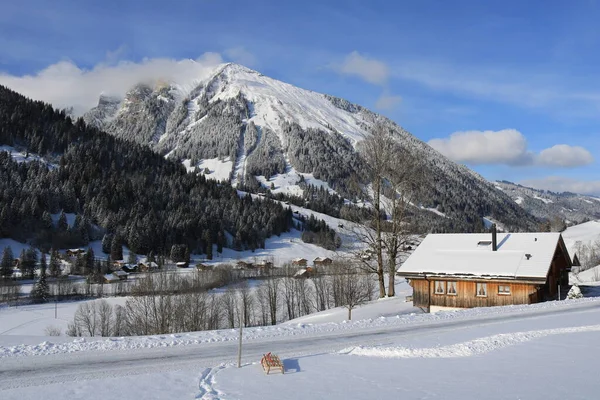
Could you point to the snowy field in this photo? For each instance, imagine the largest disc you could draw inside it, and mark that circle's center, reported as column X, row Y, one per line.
column 586, row 233
column 519, row 352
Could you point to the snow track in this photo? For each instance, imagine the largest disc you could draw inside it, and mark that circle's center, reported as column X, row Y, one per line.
column 206, row 386
column 466, row 349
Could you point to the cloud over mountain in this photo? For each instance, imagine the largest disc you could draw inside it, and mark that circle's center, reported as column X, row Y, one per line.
column 64, row 84
column 508, row 147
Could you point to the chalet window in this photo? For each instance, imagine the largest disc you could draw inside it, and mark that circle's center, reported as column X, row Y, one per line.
column 440, row 287
column 481, row 290
column 452, row 288
column 503, row 289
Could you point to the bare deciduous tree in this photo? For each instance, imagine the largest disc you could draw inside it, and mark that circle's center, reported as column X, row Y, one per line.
column 394, row 177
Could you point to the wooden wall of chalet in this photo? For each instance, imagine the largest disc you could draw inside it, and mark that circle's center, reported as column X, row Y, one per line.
column 521, row 293
column 557, row 272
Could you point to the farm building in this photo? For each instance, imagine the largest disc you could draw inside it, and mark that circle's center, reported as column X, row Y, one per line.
column 300, row 262
column 319, row 261
column 478, row 270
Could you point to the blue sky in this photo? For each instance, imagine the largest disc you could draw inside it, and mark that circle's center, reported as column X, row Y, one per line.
column 509, row 88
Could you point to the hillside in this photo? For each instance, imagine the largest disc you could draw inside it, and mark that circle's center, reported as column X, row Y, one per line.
column 256, row 131
column 117, row 191
column 544, row 204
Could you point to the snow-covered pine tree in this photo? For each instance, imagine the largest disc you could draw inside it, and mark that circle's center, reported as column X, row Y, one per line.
column 41, row 291
column 575, row 293
column 7, row 262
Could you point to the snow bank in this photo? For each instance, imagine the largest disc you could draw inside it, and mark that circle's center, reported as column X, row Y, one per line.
column 466, row 349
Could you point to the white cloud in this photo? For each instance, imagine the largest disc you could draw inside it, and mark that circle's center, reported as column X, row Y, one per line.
column 371, row 70
column 509, row 147
column 561, row 184
column 565, row 156
column 387, row 101
column 241, row 56
column 64, row 84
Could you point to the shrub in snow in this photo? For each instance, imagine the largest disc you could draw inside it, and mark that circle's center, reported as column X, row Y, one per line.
column 574, row 293
column 52, row 330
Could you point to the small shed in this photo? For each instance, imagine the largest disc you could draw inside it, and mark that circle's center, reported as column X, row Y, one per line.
column 111, row 278
column 181, row 264
column 122, row 275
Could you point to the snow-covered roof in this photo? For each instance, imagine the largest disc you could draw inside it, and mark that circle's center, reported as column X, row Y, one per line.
column 110, row 278
column 120, row 273
column 300, row 272
column 519, row 255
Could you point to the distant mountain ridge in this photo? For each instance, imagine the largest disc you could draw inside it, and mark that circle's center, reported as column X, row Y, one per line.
column 544, row 204
column 266, row 128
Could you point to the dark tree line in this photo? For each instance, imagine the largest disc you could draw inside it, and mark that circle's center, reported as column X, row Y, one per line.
column 114, row 186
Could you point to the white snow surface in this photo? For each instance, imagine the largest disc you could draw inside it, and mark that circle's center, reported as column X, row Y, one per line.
column 345, row 360
column 586, row 233
column 276, row 102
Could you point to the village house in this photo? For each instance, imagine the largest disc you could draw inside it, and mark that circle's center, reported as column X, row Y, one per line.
column 111, row 278
column 181, row 264
column 304, row 273
column 122, row 275
column 145, row 266
column 451, row 271
column 321, row 261
column 74, row 252
column 300, row 262
column 244, row 265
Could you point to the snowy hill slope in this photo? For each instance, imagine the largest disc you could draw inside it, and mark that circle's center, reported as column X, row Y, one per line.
column 267, row 129
column 574, row 208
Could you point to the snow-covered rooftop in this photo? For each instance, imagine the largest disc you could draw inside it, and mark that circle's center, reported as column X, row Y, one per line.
column 519, row 255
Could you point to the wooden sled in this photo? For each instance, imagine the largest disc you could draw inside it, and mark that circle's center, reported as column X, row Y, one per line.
column 271, row 361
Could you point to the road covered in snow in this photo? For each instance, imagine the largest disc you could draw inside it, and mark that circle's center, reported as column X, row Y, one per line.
column 195, row 365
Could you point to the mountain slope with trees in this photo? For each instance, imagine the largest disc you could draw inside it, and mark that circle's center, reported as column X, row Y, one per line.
column 114, row 187
column 557, row 208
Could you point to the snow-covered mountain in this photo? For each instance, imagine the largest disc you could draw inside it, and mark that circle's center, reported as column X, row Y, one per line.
column 258, row 129
column 571, row 207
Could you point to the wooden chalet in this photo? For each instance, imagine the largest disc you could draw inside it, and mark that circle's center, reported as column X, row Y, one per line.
column 146, row 266
column 122, row 275
column 304, row 273
column 480, row 270
column 244, row 265
column 74, row 252
column 321, row 261
column 300, row 262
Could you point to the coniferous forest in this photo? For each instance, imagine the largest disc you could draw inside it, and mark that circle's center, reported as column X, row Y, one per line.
column 115, row 187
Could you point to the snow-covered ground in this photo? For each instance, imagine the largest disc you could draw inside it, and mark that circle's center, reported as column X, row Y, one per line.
column 507, row 352
column 23, row 156
column 586, row 233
